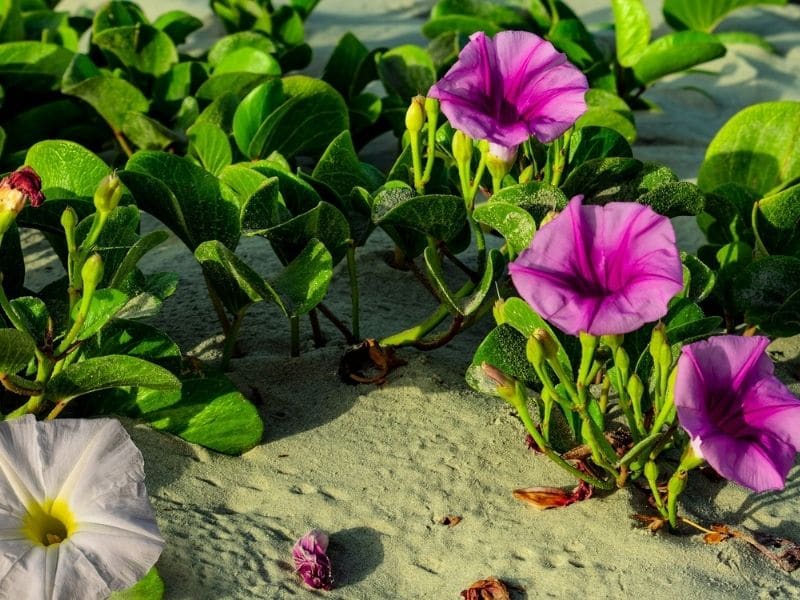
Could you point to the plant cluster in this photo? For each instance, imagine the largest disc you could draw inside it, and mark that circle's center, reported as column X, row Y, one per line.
column 514, row 171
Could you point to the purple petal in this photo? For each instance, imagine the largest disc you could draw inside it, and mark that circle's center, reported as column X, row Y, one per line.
column 312, row 562
column 507, row 88
column 600, row 269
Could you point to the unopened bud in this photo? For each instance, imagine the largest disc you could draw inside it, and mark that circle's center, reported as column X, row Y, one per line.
column 108, row 193
column 612, row 341
column 92, row 273
column 462, row 147
column 415, row 115
column 69, row 219
column 651, row 471
column 16, row 189
column 635, row 388
column 534, row 351
column 526, row 175
column 500, row 159
column 432, row 111
column 497, row 376
column 549, row 345
column 622, row 361
column 658, row 339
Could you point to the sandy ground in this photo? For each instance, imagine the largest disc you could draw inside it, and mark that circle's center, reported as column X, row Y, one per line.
column 378, row 467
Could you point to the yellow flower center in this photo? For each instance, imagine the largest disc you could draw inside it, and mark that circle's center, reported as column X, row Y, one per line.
column 49, row 523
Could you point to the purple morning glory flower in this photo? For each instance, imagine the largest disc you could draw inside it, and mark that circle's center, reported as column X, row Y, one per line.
column 512, row 86
column 311, row 560
column 742, row 420
column 600, row 269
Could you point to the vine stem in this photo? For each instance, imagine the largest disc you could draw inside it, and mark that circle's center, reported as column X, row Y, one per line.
column 352, row 272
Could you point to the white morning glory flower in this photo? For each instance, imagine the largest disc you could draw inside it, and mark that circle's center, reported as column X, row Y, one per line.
column 75, row 520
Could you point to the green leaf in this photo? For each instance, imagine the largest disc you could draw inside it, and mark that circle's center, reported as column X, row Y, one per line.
column 147, row 133
column 236, row 283
column 117, row 13
column 535, row 197
column 599, row 174
column 140, row 47
column 34, row 315
column 137, row 339
column 338, row 71
column 606, row 109
column 304, row 282
column 240, row 84
column 111, row 97
column 463, row 24
column 758, row 148
column 188, row 199
column 438, row 215
column 777, row 217
column 504, row 348
column 298, row 195
column 66, row 167
column 632, row 30
column 178, row 25
column 147, row 294
column 264, row 208
column 766, row 291
column 11, row 25
column 406, row 71
column 731, row 38
column 17, row 349
column 305, row 124
column 340, row 169
column 253, row 110
column 106, row 372
column 103, row 306
column 248, row 60
column 12, row 262
column 676, row 52
column 515, row 224
column 324, row 222
column 591, row 142
column 705, row 15
column 701, row 279
column 234, row 42
column 149, row 587
column 209, row 411
column 674, row 199
column 209, row 143
column 32, row 67
column 118, row 236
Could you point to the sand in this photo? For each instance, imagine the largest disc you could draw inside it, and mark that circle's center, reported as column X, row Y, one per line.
column 379, row 467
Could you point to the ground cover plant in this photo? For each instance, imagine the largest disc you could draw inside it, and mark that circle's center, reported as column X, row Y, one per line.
column 514, row 195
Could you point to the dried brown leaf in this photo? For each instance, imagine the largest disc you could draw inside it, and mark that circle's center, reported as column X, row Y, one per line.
column 450, row 520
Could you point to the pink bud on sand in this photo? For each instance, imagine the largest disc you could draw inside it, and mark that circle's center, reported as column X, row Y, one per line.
column 311, row 560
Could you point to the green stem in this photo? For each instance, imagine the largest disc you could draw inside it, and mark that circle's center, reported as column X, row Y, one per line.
column 9, row 310
column 416, row 161
column 230, row 340
column 354, row 291
column 473, row 191
column 430, row 153
column 560, row 146
column 218, row 307
column 294, row 332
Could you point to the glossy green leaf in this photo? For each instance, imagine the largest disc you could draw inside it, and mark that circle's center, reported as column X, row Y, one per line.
column 676, row 52
column 119, row 235
column 701, row 279
column 209, row 411
column 599, row 174
column 674, row 199
column 140, row 47
column 240, row 84
column 104, row 372
column 340, row 168
column 514, row 223
column 67, row 169
column 149, row 587
column 32, row 67
column 178, row 25
column 117, row 13
column 758, row 148
column 34, row 315
column 304, row 282
column 17, row 349
column 339, row 71
column 731, row 38
column 209, row 143
column 311, row 117
column 406, row 71
column 104, row 305
column 463, row 24
column 254, row 110
column 777, row 218
column 606, row 109
column 147, row 133
column 236, row 283
column 148, row 293
column 324, row 222
column 248, row 60
column 264, row 208
column 137, row 339
column 632, row 30
column 187, row 198
column 297, row 194
column 705, row 15
column 111, row 97
column 437, row 215
column 591, row 142
column 236, row 41
column 535, row 197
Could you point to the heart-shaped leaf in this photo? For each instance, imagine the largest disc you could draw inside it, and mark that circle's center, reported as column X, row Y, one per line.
column 758, row 148
column 704, row 16
column 776, row 219
column 514, row 223
column 766, row 291
column 254, row 110
column 178, row 25
column 340, row 168
column 600, row 174
column 304, row 282
column 674, row 199
column 17, row 349
column 437, row 215
column 103, row 306
column 150, row 587
column 67, row 169
column 137, row 339
column 32, row 67
column 142, row 48
column 606, row 109
column 701, row 279
column 111, row 97
column 209, row 143
column 187, row 198
column 406, row 71
column 104, row 372
column 536, row 198
column 504, row 349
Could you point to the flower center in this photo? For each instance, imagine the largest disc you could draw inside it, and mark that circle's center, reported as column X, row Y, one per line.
column 49, row 523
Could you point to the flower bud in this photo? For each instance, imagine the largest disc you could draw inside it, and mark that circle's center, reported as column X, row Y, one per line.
column 534, row 350
column 108, row 193
column 651, row 471
column 462, row 147
column 658, row 339
column 548, row 343
column 92, row 273
column 622, row 362
column 311, row 560
column 415, row 115
column 16, row 189
column 635, row 389
column 500, row 159
column 526, row 175
column 503, row 381
column 69, row 220
column 612, row 341
column 432, row 110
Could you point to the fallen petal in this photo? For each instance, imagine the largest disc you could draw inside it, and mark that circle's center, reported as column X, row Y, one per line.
column 486, row 589
column 545, row 497
column 312, row 562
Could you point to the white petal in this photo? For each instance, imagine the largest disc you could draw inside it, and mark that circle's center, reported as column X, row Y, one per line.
column 76, row 576
column 20, row 462
column 26, row 573
column 120, row 559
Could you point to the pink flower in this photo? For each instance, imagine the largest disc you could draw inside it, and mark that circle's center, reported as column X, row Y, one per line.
column 741, row 419
column 311, row 561
column 600, row 269
column 510, row 87
column 26, row 181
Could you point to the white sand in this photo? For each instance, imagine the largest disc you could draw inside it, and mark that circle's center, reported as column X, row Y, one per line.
column 379, row 467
